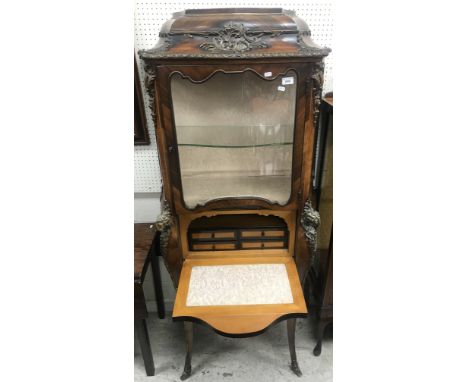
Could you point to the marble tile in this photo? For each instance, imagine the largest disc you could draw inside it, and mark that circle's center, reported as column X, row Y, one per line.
column 245, row 284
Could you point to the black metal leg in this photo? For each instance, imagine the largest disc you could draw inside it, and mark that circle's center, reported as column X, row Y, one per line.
column 158, row 285
column 320, row 330
column 292, row 346
column 188, row 327
column 143, row 338
column 318, row 348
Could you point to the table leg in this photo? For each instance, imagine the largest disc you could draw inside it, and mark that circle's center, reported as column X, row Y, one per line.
column 188, row 327
column 292, row 346
column 143, row 338
column 157, row 284
column 322, row 324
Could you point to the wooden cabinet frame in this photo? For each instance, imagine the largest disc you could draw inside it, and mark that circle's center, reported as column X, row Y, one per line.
column 309, row 77
column 200, row 74
column 197, row 44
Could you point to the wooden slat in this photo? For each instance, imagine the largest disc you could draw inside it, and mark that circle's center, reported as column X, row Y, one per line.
column 202, row 235
column 224, row 235
column 251, row 233
column 274, row 233
column 225, row 246
column 213, row 246
column 251, row 244
column 273, row 244
column 238, row 253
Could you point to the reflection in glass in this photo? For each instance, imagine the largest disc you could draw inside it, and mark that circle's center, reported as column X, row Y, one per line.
column 235, row 136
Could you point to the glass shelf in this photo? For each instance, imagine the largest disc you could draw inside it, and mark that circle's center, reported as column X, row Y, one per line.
column 235, row 136
column 234, row 147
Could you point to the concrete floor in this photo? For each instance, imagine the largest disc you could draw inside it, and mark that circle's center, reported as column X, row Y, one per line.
column 216, row 358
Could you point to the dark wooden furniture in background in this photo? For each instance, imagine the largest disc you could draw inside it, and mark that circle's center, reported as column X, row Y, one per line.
column 320, row 278
column 323, row 292
column 324, row 154
column 140, row 129
column 146, row 244
column 235, row 98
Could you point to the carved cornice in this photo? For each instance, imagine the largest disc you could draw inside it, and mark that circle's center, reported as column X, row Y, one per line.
column 155, row 54
column 308, row 50
column 206, row 34
column 233, row 41
column 310, row 220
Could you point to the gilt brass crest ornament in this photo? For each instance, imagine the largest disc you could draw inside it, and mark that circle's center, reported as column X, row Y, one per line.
column 310, row 220
column 234, row 38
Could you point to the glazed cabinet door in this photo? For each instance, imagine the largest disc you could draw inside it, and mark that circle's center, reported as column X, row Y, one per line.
column 234, row 134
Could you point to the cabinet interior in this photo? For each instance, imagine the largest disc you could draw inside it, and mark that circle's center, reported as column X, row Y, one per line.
column 237, row 233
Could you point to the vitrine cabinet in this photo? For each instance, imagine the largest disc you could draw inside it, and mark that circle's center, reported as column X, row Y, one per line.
column 235, row 97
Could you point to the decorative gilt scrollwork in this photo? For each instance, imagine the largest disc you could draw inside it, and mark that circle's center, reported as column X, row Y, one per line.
column 234, row 38
column 164, row 220
column 317, row 81
column 233, row 41
column 310, row 220
column 149, row 84
column 163, row 224
column 163, row 54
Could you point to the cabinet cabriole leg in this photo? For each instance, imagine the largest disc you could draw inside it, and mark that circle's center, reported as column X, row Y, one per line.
column 320, row 330
column 292, row 346
column 188, row 328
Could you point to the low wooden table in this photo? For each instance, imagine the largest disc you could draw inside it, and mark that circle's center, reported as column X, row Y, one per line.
column 146, row 244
